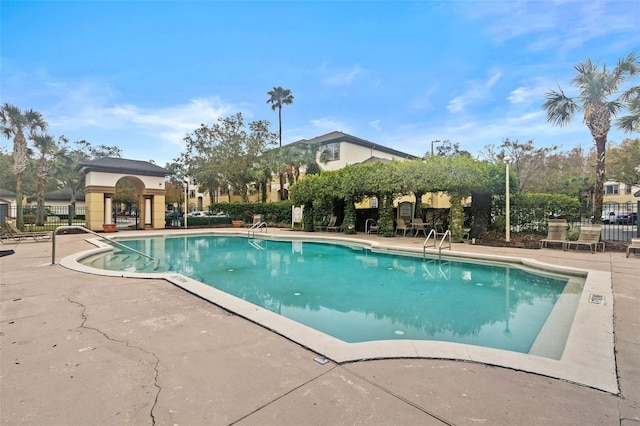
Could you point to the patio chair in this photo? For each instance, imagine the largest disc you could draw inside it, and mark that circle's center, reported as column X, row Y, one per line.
column 332, row 223
column 419, row 226
column 589, row 236
column 370, row 226
column 557, row 233
column 334, row 227
column 12, row 233
column 401, row 226
column 635, row 246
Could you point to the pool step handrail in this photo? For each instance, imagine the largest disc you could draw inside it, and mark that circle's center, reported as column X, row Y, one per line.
column 435, row 235
column 259, row 225
column 82, row 228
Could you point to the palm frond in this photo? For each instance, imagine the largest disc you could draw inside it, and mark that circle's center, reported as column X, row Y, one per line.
column 560, row 108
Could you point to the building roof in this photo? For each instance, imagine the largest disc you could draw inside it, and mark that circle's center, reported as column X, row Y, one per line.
column 122, row 165
column 343, row 137
column 7, row 194
column 63, row 194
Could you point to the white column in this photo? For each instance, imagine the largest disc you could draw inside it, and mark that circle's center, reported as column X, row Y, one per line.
column 147, row 211
column 107, row 210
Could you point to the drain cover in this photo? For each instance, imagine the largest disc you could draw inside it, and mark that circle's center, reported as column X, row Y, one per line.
column 596, row 299
column 321, row 360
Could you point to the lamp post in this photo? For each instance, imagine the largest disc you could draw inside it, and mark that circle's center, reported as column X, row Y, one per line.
column 507, row 222
column 184, row 209
column 432, row 142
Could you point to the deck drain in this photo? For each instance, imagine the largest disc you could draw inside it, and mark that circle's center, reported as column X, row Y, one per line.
column 596, row 299
column 321, row 360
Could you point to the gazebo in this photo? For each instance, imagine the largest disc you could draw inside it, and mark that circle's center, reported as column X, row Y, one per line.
column 100, row 187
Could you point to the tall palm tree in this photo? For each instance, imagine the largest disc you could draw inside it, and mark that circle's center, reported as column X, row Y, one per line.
column 278, row 97
column 48, row 148
column 14, row 123
column 599, row 100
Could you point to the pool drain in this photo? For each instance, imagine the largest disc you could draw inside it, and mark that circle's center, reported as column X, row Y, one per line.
column 321, row 360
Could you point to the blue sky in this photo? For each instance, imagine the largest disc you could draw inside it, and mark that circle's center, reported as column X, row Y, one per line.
column 141, row 75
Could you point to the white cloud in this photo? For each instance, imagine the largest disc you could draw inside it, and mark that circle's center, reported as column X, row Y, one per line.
column 342, row 76
column 328, row 124
column 375, row 125
column 477, row 91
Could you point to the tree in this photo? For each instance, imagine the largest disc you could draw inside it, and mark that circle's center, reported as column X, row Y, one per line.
column 631, row 123
column 599, row 101
column 228, row 152
column 47, row 149
column 528, row 162
column 623, row 162
column 278, row 97
column 14, row 123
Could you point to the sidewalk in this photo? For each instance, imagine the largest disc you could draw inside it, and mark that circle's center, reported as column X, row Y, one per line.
column 86, row 349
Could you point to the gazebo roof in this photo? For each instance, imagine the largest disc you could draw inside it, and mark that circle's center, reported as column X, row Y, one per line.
column 122, row 165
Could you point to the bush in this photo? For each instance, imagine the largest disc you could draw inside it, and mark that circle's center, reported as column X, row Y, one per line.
column 274, row 213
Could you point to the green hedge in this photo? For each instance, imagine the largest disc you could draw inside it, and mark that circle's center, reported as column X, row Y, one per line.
column 273, row 213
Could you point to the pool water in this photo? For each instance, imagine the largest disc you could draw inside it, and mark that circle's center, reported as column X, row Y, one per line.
column 357, row 295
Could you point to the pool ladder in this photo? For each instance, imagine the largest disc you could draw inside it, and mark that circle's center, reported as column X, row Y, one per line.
column 258, row 226
column 435, row 242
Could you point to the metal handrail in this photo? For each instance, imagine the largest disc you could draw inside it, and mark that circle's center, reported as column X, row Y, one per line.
column 259, row 225
column 435, row 236
column 82, row 228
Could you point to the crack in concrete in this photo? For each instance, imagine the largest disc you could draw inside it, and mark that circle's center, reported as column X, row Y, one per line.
column 84, row 316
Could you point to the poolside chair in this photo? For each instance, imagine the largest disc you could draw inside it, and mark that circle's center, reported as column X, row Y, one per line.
column 334, row 227
column 401, row 226
column 557, row 233
column 635, row 246
column 332, row 223
column 371, row 226
column 418, row 226
column 589, row 236
column 12, row 233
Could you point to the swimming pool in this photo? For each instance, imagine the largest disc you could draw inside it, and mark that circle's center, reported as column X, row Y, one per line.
column 355, row 295
column 588, row 357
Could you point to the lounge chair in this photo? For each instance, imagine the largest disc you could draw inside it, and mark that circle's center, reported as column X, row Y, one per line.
column 589, row 236
column 401, row 226
column 557, row 233
column 635, row 246
column 334, row 227
column 332, row 223
column 12, row 233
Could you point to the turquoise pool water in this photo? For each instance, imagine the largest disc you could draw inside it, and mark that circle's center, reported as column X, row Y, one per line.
column 357, row 295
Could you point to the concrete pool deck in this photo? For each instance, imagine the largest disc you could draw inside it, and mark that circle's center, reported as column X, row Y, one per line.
column 88, row 349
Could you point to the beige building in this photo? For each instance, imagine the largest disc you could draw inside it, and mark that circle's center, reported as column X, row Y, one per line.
column 619, row 197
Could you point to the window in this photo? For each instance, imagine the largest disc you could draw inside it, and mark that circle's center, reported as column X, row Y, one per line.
column 333, row 151
column 611, row 189
column 627, row 189
column 374, row 203
column 192, row 193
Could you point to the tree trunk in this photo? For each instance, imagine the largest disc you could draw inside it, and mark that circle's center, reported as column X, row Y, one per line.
column 19, row 215
column 601, row 145
column 40, row 213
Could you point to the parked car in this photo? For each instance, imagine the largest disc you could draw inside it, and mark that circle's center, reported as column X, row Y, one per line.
column 199, row 214
column 606, row 218
column 628, row 218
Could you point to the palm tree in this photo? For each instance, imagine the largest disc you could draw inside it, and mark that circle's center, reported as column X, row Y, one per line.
column 596, row 87
column 14, row 123
column 48, row 149
column 631, row 123
column 278, row 97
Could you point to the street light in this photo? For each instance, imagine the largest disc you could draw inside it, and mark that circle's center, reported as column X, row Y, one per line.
column 432, row 142
column 507, row 226
column 184, row 209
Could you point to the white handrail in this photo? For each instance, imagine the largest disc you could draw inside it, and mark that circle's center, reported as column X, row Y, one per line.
column 260, row 225
column 82, row 228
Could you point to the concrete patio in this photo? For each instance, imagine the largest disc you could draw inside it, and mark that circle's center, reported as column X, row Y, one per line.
column 87, row 349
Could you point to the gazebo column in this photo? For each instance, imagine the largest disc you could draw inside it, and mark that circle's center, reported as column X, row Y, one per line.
column 147, row 212
column 107, row 210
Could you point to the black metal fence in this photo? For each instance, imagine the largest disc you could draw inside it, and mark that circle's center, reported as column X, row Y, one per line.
column 54, row 216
